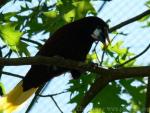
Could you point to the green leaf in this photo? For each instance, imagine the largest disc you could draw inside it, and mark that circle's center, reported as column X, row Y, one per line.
column 119, row 53
column 25, row 7
column 11, row 37
column 51, row 14
column 2, row 89
column 144, row 18
column 96, row 110
column 138, row 93
column 117, row 48
column 79, row 87
column 22, row 49
column 82, row 8
column 110, row 92
column 148, row 4
column 52, row 22
column 66, row 12
column 69, row 17
column 8, row 15
column 91, row 57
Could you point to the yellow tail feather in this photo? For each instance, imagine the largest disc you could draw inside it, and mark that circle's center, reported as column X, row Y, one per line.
column 13, row 100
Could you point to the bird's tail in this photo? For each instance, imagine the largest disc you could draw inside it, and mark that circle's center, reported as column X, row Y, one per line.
column 13, row 100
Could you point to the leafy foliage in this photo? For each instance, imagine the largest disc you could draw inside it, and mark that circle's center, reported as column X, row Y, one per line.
column 96, row 110
column 117, row 54
column 11, row 37
column 33, row 20
column 146, row 19
column 44, row 18
column 81, row 86
column 2, row 89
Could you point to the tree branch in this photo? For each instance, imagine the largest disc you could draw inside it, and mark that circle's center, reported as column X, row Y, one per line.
column 102, row 81
column 107, row 75
column 120, row 73
column 122, row 24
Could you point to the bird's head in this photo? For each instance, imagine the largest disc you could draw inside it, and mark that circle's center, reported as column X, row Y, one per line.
column 100, row 33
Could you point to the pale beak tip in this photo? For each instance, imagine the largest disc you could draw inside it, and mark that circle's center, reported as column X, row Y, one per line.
column 105, row 45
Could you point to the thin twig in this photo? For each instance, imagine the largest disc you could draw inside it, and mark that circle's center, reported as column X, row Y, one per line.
column 34, row 99
column 4, row 46
column 94, row 50
column 103, row 54
column 8, row 54
column 32, row 41
column 102, row 58
column 97, row 57
column 131, row 20
column 56, row 104
column 11, row 74
column 102, row 6
column 52, row 94
column 52, row 97
column 135, row 57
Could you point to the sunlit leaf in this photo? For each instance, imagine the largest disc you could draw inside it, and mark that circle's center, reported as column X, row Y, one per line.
column 2, row 89
column 134, row 107
column 69, row 17
column 96, row 110
column 51, row 14
column 119, row 53
column 11, row 37
column 117, row 48
column 144, row 18
column 82, row 8
column 91, row 57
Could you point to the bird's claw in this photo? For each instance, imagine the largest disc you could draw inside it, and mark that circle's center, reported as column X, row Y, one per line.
column 94, row 65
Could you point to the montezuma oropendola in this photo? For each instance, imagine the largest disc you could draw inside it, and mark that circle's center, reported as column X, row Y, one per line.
column 72, row 41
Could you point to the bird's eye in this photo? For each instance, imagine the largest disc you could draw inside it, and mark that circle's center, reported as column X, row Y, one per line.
column 96, row 33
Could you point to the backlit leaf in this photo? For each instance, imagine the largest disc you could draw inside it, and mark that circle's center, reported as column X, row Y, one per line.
column 11, row 37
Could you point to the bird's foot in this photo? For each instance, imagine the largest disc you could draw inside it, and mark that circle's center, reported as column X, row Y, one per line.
column 95, row 65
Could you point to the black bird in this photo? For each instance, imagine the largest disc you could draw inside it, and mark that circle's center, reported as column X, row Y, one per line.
column 72, row 41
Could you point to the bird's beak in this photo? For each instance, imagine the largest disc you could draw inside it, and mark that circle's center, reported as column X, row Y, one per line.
column 107, row 40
